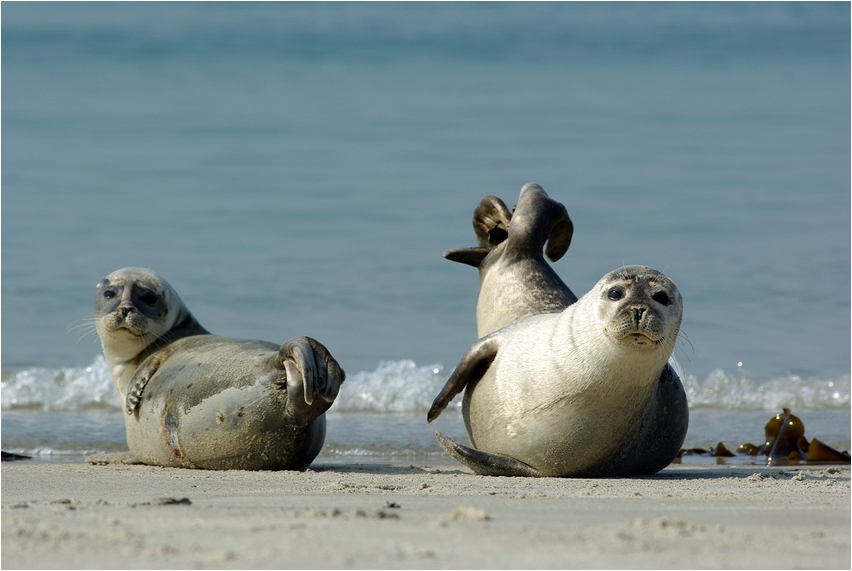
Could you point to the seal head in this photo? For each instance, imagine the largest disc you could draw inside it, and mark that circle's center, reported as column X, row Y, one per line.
column 136, row 313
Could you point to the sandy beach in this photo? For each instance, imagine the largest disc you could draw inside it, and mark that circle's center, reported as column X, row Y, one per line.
column 422, row 516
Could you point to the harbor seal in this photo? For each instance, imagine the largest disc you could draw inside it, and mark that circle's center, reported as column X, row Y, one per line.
column 515, row 280
column 197, row 400
column 585, row 392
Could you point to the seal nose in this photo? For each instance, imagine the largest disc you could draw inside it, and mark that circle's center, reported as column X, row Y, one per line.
column 125, row 310
column 638, row 312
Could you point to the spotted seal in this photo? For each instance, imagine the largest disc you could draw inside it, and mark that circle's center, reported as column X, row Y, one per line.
column 516, row 285
column 197, row 400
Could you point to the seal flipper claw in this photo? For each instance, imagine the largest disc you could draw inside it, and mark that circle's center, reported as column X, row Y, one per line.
column 332, row 375
column 134, row 394
column 484, row 463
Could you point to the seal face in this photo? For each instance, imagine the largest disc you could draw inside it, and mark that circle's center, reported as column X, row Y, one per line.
column 200, row 401
column 556, row 386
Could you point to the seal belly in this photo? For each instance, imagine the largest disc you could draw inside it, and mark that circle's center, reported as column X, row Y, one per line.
column 570, row 437
column 196, row 400
column 221, row 413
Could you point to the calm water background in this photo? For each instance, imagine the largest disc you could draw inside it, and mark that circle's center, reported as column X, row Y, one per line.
column 298, row 169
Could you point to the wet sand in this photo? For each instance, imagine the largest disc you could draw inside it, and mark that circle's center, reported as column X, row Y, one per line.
column 422, row 515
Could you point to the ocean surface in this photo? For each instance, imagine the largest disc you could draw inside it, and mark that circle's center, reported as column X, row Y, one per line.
column 299, row 169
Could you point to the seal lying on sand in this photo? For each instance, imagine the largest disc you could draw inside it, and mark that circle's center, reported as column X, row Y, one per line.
column 516, row 283
column 196, row 400
column 584, row 392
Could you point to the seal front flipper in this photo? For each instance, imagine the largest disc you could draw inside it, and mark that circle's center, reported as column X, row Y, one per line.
column 473, row 365
column 139, row 381
column 311, row 372
column 484, row 463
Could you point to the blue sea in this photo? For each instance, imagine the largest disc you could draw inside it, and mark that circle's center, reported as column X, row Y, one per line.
column 299, row 169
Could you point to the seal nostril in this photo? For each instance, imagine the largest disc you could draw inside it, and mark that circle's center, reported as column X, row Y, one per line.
column 662, row 297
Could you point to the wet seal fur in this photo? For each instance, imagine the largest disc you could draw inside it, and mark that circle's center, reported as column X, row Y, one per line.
column 196, row 400
column 517, row 284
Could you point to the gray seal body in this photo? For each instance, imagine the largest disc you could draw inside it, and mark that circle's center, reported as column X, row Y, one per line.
column 197, row 400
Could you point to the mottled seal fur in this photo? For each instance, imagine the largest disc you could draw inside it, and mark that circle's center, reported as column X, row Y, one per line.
column 197, row 400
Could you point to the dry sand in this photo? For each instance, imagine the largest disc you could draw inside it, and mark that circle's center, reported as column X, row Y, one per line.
column 422, row 516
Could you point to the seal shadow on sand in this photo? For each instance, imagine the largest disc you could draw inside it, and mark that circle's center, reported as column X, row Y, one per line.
column 382, row 469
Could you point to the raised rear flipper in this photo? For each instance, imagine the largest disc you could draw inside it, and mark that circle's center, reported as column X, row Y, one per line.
column 491, row 224
column 470, row 256
column 313, row 376
column 484, row 463
column 538, row 219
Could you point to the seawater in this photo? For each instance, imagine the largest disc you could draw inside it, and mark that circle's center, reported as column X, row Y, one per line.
column 298, row 169
column 63, row 415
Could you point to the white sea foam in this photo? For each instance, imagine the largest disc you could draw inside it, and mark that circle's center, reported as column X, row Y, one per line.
column 395, row 386
column 72, row 389
column 721, row 389
column 402, row 386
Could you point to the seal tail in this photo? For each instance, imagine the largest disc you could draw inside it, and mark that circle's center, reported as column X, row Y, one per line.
column 484, row 463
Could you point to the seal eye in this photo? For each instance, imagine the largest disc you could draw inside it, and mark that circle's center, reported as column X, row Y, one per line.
column 149, row 298
column 615, row 294
column 109, row 294
column 662, row 298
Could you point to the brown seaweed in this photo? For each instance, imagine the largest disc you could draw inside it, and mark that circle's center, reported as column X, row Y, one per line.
column 820, row 453
column 784, row 433
column 748, row 448
column 785, row 444
column 721, row 451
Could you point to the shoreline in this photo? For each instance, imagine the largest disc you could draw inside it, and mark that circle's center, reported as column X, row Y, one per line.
column 422, row 515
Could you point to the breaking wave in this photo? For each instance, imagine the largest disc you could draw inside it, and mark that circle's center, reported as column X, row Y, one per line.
column 402, row 386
